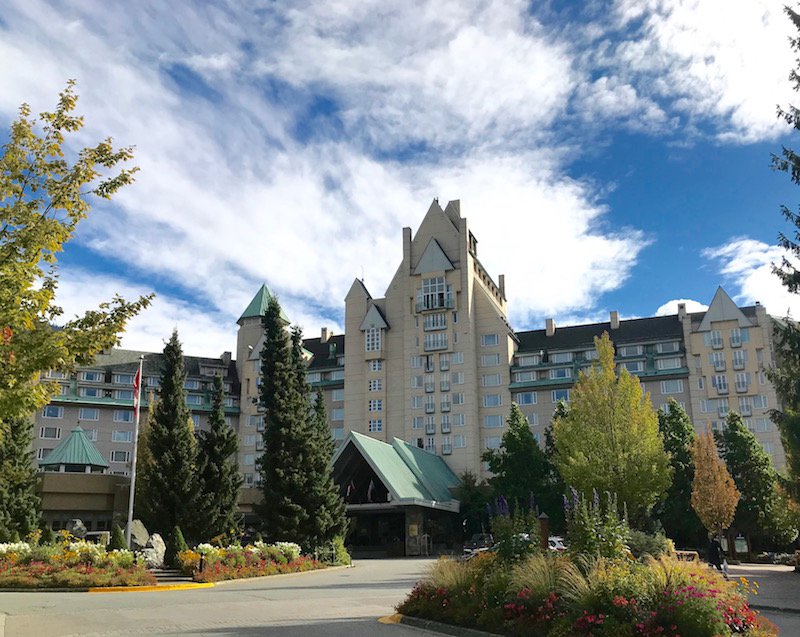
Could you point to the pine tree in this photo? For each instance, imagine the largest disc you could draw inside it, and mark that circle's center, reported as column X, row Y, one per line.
column 19, row 504
column 755, row 477
column 519, row 466
column 170, row 490
column 285, row 509
column 175, row 544
column 218, row 470
column 609, row 439
column 714, row 494
column 786, row 378
column 117, row 539
column 675, row 511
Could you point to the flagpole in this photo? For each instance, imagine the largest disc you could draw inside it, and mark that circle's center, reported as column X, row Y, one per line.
column 137, row 402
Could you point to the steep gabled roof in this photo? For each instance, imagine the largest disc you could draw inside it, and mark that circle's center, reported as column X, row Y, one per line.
column 76, row 449
column 373, row 318
column 258, row 306
column 722, row 308
column 433, row 259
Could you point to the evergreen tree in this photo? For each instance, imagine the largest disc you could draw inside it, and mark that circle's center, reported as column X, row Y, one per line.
column 675, row 512
column 473, row 496
column 175, row 544
column 519, row 466
column 285, row 510
column 714, row 494
column 117, row 539
column 786, row 378
column 19, row 504
column 609, row 439
column 218, row 470
column 758, row 513
column 170, row 490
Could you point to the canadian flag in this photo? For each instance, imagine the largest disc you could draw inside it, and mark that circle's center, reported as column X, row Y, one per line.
column 137, row 385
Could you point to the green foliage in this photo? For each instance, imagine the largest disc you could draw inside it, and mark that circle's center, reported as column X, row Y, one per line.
column 641, row 544
column 473, row 498
column 340, row 553
column 43, row 197
column 175, row 544
column 19, row 504
column 519, row 466
column 516, row 535
column 301, row 502
column 595, row 527
column 609, row 438
column 117, row 542
column 48, row 537
column 170, row 493
column 218, row 471
column 674, row 510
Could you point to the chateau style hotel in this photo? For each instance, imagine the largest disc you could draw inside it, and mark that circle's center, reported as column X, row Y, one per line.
column 435, row 364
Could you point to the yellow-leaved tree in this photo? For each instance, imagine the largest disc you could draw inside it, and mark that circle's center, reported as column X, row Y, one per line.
column 714, row 494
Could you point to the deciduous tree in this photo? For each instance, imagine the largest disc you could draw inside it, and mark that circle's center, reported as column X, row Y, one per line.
column 609, row 438
column 714, row 494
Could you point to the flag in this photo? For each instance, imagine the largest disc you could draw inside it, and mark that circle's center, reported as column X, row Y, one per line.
column 137, row 386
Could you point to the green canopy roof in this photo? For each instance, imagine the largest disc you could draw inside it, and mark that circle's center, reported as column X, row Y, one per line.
column 258, row 306
column 76, row 449
column 410, row 474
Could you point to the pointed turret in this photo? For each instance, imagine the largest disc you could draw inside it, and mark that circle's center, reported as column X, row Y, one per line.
column 76, row 454
column 258, row 306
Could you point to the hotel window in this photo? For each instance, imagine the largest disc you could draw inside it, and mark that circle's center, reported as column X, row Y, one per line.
column 762, row 377
column 533, row 419
column 739, row 358
column 630, row 350
column 118, row 455
column 52, row 411
column 665, row 407
column 701, row 382
column 457, row 378
column 720, row 382
column 41, row 454
column 525, row 398
column 560, row 372
column 337, row 415
column 337, row 374
column 430, row 444
column 249, row 440
column 435, row 341
column 490, row 360
column 191, row 383
column 560, row 394
column 762, row 425
column 92, row 377
column 459, row 441
column 90, row 392
column 123, row 394
column 430, row 383
column 375, row 405
column 561, row 357
column 313, row 377
column 444, row 381
column 672, row 386
column 436, row 321
column 417, row 362
column 430, row 404
column 668, row 348
column 254, row 421
column 528, row 360
column 459, row 420
column 492, row 400
column 591, row 355
column 373, row 385
column 456, row 358
column 445, row 423
column 154, row 382
column 668, row 363
column 444, row 362
column 248, row 479
column 416, row 402
column 372, row 339
column 88, row 413
column 489, row 340
column 91, row 434
column 739, row 336
column 195, row 422
column 122, row 379
column 434, row 294
column 633, row 367
column 493, row 421
column 194, row 399
column 416, row 382
column 338, row 433
column 338, row 394
column 416, row 422
column 55, row 375
column 50, row 433
column 760, row 401
column 767, row 447
column 524, row 377
column 717, row 360
column 121, row 436
column 375, row 366
column 259, row 444
column 248, row 460
column 63, row 389
column 490, row 380
column 493, row 442
column 375, row 425
column 742, row 381
column 713, row 339
column 458, row 398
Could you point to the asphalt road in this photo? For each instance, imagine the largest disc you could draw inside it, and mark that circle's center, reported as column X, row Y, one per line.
column 327, row 603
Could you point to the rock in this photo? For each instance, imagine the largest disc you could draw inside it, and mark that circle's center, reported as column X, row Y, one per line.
column 151, row 558
column 159, row 548
column 76, row 528
column 139, row 535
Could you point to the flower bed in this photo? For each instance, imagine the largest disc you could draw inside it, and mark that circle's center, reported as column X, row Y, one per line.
column 68, row 564
column 237, row 562
column 554, row 596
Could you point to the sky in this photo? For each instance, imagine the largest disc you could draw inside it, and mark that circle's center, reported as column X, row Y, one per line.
column 608, row 155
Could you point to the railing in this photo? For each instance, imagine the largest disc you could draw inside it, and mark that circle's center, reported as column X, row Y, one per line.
column 447, row 449
column 444, row 385
column 717, row 343
column 741, row 387
column 430, row 428
column 442, row 301
column 719, row 366
column 738, row 364
column 735, row 341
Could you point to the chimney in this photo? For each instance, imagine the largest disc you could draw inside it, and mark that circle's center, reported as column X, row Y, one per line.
column 614, row 320
column 226, row 358
column 407, row 247
column 550, row 327
column 681, row 311
column 326, row 334
column 501, row 280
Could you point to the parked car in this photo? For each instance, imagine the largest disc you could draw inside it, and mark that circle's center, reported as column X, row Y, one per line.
column 478, row 542
column 556, row 543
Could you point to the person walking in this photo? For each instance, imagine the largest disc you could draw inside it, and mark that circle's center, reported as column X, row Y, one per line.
column 714, row 553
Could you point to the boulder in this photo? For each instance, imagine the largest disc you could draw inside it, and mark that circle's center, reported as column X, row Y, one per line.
column 139, row 535
column 76, row 528
column 157, row 543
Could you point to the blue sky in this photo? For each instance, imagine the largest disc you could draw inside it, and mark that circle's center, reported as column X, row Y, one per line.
column 608, row 155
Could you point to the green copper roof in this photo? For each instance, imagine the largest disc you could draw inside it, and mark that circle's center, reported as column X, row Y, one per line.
column 258, row 306
column 76, row 449
column 411, row 475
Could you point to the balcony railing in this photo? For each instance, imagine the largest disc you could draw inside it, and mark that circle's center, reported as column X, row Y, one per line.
column 447, row 449
column 741, row 388
column 430, row 428
column 717, row 343
column 430, row 388
column 441, row 301
column 445, row 405
column 719, row 366
column 738, row 364
column 735, row 341
column 722, row 389
column 445, row 428
column 444, row 385
column 430, row 408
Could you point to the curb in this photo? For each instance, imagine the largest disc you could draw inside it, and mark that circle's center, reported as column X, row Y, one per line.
column 271, row 577
column 2, row 624
column 150, row 589
column 437, row 627
column 776, row 609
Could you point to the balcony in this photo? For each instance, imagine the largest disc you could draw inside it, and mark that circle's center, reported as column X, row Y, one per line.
column 430, row 408
column 722, row 390
column 430, row 428
column 445, row 406
column 719, row 366
column 735, row 341
column 742, row 388
column 746, row 410
column 444, row 385
column 445, row 427
column 738, row 364
column 717, row 343
column 430, row 388
column 428, row 302
column 447, row 449
column 722, row 412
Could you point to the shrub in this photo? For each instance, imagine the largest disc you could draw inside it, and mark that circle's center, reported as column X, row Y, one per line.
column 48, row 537
column 641, row 544
column 594, row 527
column 340, row 553
column 175, row 544
column 517, row 535
column 117, row 542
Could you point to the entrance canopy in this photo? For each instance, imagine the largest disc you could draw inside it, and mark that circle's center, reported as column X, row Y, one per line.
column 374, row 475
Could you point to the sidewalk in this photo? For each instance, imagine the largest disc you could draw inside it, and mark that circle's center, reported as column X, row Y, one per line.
column 779, row 586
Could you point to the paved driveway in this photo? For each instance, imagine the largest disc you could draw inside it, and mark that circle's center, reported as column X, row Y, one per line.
column 341, row 602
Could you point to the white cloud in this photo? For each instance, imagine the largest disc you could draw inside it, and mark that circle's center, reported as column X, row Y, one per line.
column 747, row 265
column 671, row 307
